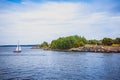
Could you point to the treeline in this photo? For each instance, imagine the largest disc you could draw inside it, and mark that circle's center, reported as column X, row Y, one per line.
column 68, row 42
column 78, row 41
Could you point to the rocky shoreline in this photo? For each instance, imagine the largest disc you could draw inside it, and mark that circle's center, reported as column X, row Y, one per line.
column 101, row 49
column 96, row 49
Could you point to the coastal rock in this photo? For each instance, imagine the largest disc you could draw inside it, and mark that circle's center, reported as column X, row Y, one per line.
column 106, row 49
column 100, row 49
column 75, row 49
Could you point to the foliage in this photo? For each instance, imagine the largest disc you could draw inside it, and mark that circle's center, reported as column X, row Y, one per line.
column 78, row 41
column 117, row 41
column 94, row 42
column 107, row 41
column 68, row 42
column 44, row 44
column 116, row 45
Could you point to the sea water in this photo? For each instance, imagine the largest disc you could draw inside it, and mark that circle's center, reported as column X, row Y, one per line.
column 37, row 64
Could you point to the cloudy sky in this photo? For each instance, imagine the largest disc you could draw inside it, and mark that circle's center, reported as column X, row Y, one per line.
column 35, row 21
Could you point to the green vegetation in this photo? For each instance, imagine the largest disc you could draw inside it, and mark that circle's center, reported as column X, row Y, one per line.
column 94, row 42
column 44, row 44
column 78, row 41
column 68, row 42
column 117, row 41
column 107, row 41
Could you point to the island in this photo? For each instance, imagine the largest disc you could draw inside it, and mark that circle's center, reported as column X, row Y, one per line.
column 77, row 43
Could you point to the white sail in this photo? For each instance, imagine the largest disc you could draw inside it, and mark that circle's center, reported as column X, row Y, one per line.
column 18, row 48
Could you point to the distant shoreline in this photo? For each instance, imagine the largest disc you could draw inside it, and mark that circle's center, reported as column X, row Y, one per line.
column 16, row 45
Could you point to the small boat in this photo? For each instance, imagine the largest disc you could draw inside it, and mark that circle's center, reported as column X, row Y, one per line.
column 18, row 48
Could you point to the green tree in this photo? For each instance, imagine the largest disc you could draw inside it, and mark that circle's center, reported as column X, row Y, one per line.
column 117, row 41
column 44, row 44
column 94, row 42
column 107, row 41
column 68, row 42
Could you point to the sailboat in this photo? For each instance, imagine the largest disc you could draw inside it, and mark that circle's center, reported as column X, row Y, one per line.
column 18, row 48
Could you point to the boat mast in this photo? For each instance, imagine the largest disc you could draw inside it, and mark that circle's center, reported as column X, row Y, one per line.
column 18, row 45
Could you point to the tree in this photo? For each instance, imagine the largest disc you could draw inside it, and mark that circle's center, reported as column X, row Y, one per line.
column 44, row 44
column 98, row 42
column 107, row 41
column 117, row 41
column 68, row 42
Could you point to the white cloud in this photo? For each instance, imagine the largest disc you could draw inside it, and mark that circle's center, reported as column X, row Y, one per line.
column 36, row 22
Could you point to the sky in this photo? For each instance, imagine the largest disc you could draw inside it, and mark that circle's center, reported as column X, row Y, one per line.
column 35, row 21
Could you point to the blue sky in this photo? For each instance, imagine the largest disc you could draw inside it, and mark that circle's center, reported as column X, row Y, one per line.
column 35, row 21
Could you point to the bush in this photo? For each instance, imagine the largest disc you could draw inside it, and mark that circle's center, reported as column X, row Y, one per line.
column 107, row 41
column 44, row 44
column 68, row 42
column 117, row 41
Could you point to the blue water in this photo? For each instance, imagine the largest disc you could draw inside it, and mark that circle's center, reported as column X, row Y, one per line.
column 37, row 64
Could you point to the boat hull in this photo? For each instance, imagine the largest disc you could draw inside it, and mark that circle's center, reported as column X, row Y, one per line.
column 17, row 51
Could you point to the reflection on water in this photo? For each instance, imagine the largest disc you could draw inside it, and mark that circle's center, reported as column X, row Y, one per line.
column 36, row 64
